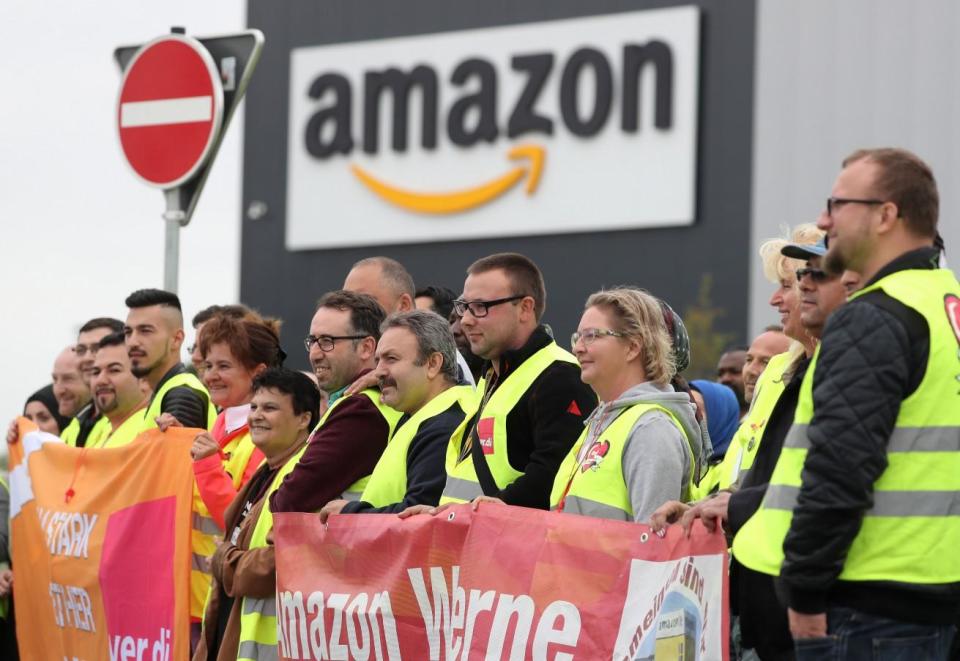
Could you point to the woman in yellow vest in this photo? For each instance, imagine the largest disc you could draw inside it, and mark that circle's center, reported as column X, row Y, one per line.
column 240, row 619
column 643, row 443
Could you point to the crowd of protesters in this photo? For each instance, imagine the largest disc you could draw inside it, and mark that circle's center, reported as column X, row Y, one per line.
column 828, row 449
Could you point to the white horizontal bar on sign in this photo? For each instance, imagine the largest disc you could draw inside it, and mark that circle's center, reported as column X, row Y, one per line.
column 166, row 111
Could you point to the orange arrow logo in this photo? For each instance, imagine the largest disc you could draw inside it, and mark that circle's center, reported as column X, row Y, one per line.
column 461, row 200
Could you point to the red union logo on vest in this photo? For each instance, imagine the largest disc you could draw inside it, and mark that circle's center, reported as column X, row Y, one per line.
column 485, row 434
column 573, row 125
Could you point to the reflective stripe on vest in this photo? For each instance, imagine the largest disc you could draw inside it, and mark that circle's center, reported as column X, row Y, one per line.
column 911, row 533
column 202, row 546
column 258, row 617
column 597, row 486
column 388, row 482
column 392, row 417
column 462, row 483
column 176, row 381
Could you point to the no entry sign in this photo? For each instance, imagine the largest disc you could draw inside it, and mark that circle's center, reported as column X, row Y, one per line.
column 170, row 110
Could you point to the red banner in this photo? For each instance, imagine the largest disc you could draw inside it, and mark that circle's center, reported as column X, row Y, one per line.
column 501, row 583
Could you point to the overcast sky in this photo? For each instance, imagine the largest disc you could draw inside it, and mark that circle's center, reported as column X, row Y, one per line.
column 79, row 231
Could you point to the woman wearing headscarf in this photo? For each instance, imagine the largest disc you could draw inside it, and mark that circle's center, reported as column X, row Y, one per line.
column 41, row 408
column 722, row 413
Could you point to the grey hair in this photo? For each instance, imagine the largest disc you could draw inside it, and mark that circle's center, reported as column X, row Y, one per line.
column 433, row 336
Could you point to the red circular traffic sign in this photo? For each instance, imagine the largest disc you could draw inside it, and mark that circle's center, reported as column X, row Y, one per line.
column 170, row 110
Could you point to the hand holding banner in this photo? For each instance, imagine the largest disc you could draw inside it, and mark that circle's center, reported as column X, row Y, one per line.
column 499, row 582
column 102, row 573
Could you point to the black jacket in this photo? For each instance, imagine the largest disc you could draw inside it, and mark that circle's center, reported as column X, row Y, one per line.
column 763, row 621
column 544, row 424
column 187, row 405
column 873, row 355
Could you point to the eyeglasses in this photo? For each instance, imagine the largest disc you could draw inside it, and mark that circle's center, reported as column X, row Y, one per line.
column 837, row 201
column 82, row 349
column 817, row 275
column 589, row 335
column 481, row 308
column 327, row 342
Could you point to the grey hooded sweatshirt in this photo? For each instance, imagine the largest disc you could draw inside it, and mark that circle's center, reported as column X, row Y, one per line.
column 657, row 458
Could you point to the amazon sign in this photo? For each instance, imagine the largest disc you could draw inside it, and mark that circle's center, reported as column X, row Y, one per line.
column 574, row 125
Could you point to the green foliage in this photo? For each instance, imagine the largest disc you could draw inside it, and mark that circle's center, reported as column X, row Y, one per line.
column 706, row 343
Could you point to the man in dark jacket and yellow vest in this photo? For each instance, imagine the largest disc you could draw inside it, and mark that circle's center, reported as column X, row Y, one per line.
column 154, row 335
column 531, row 402
column 418, row 376
column 860, row 519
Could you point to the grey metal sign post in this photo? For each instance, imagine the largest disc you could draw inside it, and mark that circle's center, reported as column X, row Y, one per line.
column 159, row 101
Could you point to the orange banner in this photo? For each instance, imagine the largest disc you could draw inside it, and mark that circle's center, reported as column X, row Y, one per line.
column 101, row 547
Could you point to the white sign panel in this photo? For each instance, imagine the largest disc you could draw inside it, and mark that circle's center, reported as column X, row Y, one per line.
column 574, row 125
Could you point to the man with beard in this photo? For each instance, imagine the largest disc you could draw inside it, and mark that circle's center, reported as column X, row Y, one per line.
column 730, row 374
column 86, row 349
column 859, row 520
column 418, row 375
column 154, row 335
column 351, row 436
column 117, row 393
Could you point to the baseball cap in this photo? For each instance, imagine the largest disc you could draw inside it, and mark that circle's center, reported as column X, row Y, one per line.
column 805, row 251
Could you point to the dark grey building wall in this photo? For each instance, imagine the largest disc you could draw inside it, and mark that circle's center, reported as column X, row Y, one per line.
column 668, row 262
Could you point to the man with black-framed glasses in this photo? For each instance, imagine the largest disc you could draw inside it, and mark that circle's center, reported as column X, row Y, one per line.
column 531, row 401
column 352, row 434
column 859, row 520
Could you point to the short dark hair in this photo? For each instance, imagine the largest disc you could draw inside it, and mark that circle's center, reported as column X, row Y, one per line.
column 524, row 275
column 114, row 325
column 772, row 328
column 234, row 311
column 112, row 340
column 302, row 390
column 442, row 298
column 143, row 298
column 366, row 315
column 908, row 182
column 394, row 273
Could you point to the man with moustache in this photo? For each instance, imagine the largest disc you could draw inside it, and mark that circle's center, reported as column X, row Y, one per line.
column 865, row 546
column 88, row 340
column 351, row 436
column 418, row 376
column 117, row 393
column 154, row 335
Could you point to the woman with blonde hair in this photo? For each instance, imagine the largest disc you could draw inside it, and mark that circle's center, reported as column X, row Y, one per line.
column 643, row 444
